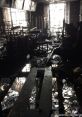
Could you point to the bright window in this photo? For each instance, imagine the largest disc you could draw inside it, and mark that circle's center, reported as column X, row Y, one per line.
column 56, row 16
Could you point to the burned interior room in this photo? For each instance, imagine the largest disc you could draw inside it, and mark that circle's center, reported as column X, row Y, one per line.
column 40, row 58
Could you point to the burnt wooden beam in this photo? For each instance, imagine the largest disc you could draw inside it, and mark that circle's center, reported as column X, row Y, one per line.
column 21, row 106
column 46, row 93
column 23, row 4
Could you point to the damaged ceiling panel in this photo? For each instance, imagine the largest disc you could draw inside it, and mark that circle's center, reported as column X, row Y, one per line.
column 26, row 4
column 19, row 4
column 6, row 3
column 50, row 1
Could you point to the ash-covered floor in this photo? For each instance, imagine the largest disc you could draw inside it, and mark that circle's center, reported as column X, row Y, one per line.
column 38, row 93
